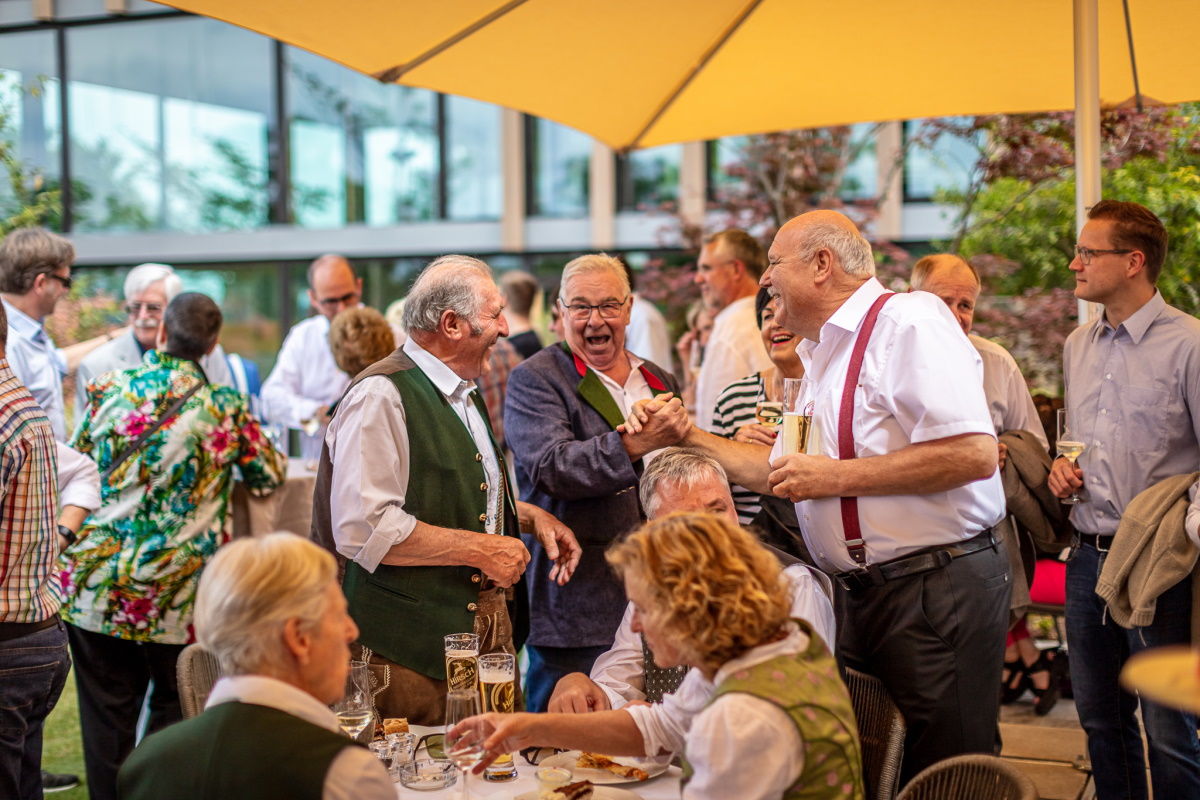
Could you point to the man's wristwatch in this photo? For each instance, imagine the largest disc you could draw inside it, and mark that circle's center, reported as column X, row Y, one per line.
column 67, row 534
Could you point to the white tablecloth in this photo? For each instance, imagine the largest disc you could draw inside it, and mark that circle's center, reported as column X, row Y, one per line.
column 288, row 508
column 660, row 787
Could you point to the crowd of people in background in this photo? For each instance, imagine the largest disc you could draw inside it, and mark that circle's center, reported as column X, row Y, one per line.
column 618, row 507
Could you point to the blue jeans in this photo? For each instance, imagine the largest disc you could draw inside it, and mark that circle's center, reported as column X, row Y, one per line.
column 33, row 670
column 1099, row 648
column 549, row 664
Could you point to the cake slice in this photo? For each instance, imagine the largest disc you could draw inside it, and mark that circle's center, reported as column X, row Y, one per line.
column 597, row 761
column 580, row 790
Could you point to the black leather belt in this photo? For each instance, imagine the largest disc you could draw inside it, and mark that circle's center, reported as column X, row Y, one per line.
column 1095, row 540
column 15, row 630
column 924, row 561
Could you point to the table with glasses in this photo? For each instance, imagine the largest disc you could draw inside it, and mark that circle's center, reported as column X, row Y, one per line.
column 288, row 508
column 660, row 787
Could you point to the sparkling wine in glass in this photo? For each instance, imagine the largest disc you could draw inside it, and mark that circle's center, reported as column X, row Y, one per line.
column 797, row 415
column 465, row 746
column 769, row 412
column 354, row 709
column 1070, row 447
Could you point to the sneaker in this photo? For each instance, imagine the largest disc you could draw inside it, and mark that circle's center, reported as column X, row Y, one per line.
column 58, row 783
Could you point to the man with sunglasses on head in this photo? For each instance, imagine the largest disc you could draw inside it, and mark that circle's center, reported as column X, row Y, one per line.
column 35, row 273
column 306, row 380
column 1132, row 379
column 148, row 289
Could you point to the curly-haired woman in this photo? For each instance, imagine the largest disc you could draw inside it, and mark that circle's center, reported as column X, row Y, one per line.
column 777, row 720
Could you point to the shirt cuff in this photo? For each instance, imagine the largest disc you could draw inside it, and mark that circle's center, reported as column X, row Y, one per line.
column 395, row 525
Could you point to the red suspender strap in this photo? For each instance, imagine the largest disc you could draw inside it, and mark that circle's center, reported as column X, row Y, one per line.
column 850, row 526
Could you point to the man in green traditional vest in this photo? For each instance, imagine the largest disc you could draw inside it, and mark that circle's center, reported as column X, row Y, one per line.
column 271, row 612
column 412, row 491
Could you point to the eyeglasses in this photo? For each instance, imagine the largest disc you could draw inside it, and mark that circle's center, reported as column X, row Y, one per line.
column 346, row 299
column 610, row 309
column 133, row 308
column 66, row 282
column 1086, row 254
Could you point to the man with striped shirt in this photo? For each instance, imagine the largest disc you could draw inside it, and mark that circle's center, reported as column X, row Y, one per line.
column 33, row 642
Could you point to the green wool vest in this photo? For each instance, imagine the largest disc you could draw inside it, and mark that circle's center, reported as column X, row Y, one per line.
column 233, row 751
column 809, row 689
column 402, row 613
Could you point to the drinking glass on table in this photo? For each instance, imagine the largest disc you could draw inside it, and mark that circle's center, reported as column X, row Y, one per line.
column 464, row 747
column 1070, row 446
column 797, row 414
column 354, row 709
column 462, row 661
column 498, row 688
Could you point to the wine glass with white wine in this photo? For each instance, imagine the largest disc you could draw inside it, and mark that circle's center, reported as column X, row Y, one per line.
column 1069, row 446
column 354, row 709
column 463, row 747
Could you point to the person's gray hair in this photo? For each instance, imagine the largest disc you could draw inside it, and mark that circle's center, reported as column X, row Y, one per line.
column 678, row 467
column 193, row 323
column 449, row 283
column 851, row 248
column 927, row 265
column 248, row 592
column 594, row 263
column 28, row 252
column 143, row 276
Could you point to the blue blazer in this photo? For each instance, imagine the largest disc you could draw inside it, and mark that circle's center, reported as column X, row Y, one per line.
column 570, row 461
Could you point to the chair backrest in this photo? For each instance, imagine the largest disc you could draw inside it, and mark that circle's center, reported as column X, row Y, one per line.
column 881, row 732
column 970, row 777
column 196, row 673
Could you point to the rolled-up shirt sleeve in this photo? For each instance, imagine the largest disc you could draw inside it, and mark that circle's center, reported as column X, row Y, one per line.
column 368, row 445
column 78, row 479
column 1192, row 523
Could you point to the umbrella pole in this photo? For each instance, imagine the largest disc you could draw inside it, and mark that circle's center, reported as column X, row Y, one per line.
column 1087, row 121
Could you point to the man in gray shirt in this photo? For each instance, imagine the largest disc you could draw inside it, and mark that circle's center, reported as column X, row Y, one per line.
column 1133, row 399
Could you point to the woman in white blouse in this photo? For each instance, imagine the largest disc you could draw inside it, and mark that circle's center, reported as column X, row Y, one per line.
column 775, row 721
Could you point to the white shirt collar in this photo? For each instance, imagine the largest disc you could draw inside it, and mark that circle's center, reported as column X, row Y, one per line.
column 259, row 690
column 794, row 642
column 635, row 366
column 848, row 317
column 445, row 379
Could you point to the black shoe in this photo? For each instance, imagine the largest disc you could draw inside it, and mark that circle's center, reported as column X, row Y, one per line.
column 58, row 783
column 1014, row 682
column 1048, row 697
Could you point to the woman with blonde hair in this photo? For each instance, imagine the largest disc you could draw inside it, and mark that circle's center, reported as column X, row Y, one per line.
column 776, row 721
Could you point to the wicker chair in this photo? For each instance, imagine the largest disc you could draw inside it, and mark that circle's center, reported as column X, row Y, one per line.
column 972, row 777
column 881, row 732
column 196, row 673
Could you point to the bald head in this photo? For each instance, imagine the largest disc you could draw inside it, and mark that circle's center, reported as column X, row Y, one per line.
column 333, row 286
column 953, row 280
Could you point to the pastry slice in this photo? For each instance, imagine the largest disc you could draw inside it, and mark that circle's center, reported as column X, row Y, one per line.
column 597, row 761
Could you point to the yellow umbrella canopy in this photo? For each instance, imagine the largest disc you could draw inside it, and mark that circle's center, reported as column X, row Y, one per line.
column 639, row 73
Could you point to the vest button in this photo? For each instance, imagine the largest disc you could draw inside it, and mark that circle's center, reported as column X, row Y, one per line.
column 472, row 607
column 476, row 578
column 483, row 517
column 483, row 487
column 479, row 456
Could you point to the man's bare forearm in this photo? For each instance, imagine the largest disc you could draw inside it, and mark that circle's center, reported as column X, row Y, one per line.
column 746, row 464
column 433, row 546
column 924, row 468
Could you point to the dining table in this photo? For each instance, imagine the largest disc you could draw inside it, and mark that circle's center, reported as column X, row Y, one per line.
column 288, row 508
column 659, row 787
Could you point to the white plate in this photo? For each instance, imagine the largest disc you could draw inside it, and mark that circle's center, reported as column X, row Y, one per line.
column 653, row 766
column 598, row 793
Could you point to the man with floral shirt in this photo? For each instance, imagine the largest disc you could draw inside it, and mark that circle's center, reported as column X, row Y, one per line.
column 129, row 582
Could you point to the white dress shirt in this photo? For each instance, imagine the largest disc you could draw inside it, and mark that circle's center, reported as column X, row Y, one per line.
column 368, row 446
column 38, row 364
column 124, row 353
column 921, row 381
column 1008, row 398
column 647, row 335
column 634, row 389
column 78, row 479
column 621, row 672
column 734, row 350
column 305, row 378
column 740, row 746
column 354, row 774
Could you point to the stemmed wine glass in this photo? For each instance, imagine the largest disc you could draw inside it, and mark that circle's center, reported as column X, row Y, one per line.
column 464, row 747
column 354, row 709
column 1069, row 447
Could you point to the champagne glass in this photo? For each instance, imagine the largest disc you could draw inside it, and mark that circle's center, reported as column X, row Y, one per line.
column 463, row 747
column 797, row 414
column 1070, row 447
column 354, row 709
column 769, row 412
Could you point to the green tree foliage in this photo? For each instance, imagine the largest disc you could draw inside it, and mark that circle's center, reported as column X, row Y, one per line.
column 26, row 198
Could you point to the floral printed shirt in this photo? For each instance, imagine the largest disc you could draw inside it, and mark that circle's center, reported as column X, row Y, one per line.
column 164, row 512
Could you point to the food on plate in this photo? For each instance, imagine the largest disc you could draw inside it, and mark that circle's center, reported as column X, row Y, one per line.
column 391, row 725
column 597, row 761
column 580, row 790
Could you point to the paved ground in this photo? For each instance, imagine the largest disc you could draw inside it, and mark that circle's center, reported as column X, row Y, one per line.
column 1051, row 750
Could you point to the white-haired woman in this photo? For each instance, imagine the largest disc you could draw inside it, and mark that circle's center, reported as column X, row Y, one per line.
column 272, row 613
